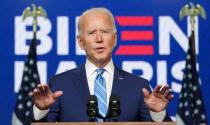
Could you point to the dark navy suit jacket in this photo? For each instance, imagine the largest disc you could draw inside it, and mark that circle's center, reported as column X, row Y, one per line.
column 71, row 106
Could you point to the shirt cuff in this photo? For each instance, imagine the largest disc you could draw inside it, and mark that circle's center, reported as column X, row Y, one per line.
column 39, row 114
column 158, row 116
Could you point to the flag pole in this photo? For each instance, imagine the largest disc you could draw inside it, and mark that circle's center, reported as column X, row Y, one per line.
column 192, row 11
column 190, row 107
column 22, row 114
column 34, row 12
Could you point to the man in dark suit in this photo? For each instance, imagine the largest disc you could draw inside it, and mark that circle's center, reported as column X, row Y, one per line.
column 101, row 77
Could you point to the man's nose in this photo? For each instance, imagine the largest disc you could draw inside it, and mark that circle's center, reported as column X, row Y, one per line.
column 99, row 36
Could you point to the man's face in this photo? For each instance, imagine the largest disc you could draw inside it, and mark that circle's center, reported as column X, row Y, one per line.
column 97, row 37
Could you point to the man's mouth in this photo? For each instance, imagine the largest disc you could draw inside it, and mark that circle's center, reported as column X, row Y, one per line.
column 100, row 49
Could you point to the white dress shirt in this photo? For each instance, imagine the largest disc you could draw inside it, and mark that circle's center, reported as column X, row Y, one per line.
column 108, row 76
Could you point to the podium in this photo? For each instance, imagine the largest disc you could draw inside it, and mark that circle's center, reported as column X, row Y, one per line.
column 105, row 123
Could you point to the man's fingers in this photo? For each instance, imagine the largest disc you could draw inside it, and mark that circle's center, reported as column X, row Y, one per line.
column 145, row 92
column 169, row 97
column 164, row 89
column 41, row 90
column 168, row 92
column 31, row 94
column 40, row 87
column 44, row 91
column 161, row 89
column 35, row 92
column 57, row 94
column 157, row 88
column 44, row 88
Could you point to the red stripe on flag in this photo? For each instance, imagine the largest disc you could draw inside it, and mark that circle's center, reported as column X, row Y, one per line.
column 135, row 50
column 134, row 20
column 137, row 35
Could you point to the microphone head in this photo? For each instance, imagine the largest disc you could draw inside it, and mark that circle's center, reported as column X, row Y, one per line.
column 92, row 100
column 114, row 100
column 92, row 107
column 114, row 107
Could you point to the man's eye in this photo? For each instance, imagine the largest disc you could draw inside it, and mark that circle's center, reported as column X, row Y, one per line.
column 105, row 31
column 90, row 33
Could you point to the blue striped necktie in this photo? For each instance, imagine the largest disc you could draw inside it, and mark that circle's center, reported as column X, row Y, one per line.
column 100, row 92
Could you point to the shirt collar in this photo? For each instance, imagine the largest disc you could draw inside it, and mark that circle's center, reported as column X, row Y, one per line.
column 90, row 68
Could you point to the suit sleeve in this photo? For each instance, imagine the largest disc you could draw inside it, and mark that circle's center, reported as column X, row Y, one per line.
column 142, row 111
column 144, row 114
column 54, row 111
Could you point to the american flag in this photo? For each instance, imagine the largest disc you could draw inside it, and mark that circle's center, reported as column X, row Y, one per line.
column 191, row 108
column 23, row 111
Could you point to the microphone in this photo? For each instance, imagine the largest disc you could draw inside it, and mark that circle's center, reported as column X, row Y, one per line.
column 114, row 108
column 92, row 108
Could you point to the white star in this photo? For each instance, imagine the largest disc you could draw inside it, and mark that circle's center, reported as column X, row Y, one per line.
column 196, row 111
column 188, row 57
column 20, row 106
column 29, row 71
column 27, row 113
column 194, row 88
column 180, row 95
column 186, row 104
column 26, row 69
column 180, row 105
column 189, row 66
column 20, row 97
column 203, row 117
column 190, row 85
column 31, row 62
column 198, row 102
column 35, row 76
column 186, row 113
column 33, row 84
column 28, row 103
column 26, row 88
column 184, row 86
column 189, row 76
column 25, row 79
column 185, row 94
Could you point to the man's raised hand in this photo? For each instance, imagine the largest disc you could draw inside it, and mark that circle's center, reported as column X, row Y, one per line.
column 158, row 99
column 43, row 97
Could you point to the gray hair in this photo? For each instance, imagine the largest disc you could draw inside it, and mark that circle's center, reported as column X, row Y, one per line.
column 100, row 9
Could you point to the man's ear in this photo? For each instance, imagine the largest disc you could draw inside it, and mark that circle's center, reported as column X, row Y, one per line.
column 80, row 42
column 115, row 39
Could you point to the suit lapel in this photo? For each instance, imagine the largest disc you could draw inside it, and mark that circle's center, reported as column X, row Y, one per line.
column 117, row 82
column 81, row 84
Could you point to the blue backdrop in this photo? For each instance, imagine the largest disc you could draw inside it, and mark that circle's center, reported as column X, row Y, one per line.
column 152, row 43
